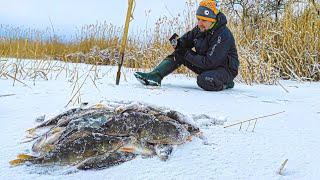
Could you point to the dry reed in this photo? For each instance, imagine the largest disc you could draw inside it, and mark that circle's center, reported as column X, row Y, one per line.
column 268, row 50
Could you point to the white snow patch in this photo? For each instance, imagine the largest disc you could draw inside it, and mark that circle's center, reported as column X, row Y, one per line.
column 224, row 153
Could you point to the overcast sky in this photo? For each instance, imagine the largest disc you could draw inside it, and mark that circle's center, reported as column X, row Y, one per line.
column 65, row 15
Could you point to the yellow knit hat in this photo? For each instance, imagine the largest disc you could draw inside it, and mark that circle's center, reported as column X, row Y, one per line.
column 207, row 10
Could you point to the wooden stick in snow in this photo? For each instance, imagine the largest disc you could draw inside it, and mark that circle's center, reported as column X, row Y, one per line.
column 280, row 170
column 5, row 95
column 286, row 90
column 254, row 119
column 124, row 39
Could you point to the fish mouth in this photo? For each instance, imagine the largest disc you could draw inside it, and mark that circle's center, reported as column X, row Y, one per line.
column 163, row 151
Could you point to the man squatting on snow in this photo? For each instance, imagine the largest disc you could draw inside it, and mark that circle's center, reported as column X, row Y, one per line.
column 215, row 58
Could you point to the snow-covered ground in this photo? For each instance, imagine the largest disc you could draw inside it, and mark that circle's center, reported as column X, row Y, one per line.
column 229, row 153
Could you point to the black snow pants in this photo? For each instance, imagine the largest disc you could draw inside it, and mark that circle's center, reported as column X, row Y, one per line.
column 209, row 80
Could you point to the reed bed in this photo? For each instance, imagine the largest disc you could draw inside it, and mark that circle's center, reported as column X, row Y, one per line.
column 269, row 50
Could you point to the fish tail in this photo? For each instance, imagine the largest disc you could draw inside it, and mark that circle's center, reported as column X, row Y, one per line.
column 99, row 106
column 31, row 131
column 21, row 158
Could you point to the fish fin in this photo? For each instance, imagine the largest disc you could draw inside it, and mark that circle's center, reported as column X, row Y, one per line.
column 127, row 149
column 189, row 138
column 21, row 158
column 31, row 131
column 99, row 106
column 25, row 157
column 16, row 162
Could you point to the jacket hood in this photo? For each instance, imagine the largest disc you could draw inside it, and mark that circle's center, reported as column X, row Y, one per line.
column 221, row 21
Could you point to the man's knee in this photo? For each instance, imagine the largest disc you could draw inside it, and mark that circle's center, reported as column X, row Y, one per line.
column 215, row 80
column 180, row 60
column 209, row 83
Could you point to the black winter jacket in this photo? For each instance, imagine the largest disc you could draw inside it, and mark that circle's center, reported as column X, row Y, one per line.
column 214, row 48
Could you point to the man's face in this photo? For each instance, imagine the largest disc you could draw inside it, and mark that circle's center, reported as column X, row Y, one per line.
column 204, row 25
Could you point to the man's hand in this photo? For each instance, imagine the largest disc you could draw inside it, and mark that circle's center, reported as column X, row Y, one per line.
column 178, row 43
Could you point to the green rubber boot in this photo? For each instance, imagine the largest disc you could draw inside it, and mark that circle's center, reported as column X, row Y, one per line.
column 154, row 77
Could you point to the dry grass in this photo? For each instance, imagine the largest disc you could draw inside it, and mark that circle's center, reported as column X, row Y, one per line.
column 287, row 49
column 268, row 50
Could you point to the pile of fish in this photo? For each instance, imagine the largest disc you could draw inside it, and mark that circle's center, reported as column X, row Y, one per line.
column 102, row 136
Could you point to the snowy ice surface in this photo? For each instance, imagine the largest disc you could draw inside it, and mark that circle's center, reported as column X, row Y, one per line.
column 228, row 153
